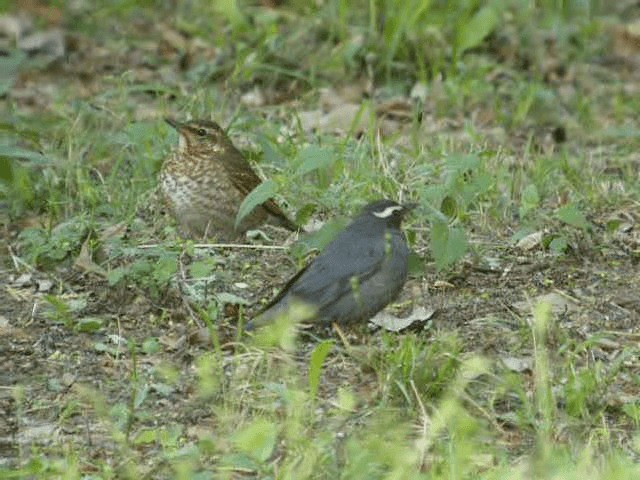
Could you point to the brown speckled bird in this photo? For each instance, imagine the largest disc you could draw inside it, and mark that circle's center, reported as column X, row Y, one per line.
column 206, row 179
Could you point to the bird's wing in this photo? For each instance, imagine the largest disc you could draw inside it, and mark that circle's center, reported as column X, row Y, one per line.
column 284, row 290
column 240, row 172
column 329, row 276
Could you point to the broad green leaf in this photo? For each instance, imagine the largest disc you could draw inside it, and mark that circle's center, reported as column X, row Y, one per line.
column 449, row 206
column 151, row 345
column 571, row 215
column 140, row 395
column 164, row 269
column 473, row 31
column 89, row 324
column 558, row 245
column 226, row 297
column 13, row 151
column 315, row 365
column 416, row 264
column 115, row 275
column 6, row 170
column 209, row 374
column 258, row 195
column 202, row 268
column 448, row 244
column 315, row 158
column 258, row 439
column 462, row 163
column 9, row 68
column 145, row 437
column 230, row 11
column 530, row 200
column 319, row 239
column 270, row 154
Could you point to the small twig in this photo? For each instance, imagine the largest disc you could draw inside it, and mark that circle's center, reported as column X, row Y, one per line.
column 342, row 336
column 223, row 245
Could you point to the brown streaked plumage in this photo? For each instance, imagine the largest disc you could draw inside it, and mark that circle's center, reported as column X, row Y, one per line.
column 206, row 179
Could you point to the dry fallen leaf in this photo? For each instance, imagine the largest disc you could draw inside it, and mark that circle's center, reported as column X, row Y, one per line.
column 530, row 241
column 44, row 285
column 517, row 364
column 23, row 280
column 395, row 324
column 85, row 263
column 443, row 284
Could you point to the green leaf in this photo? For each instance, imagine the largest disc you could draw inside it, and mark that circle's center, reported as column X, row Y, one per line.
column 558, row 245
column 202, row 268
column 318, row 239
column 258, row 195
column 448, row 244
column 530, row 200
column 230, row 11
column 140, row 395
column 6, row 170
column 164, row 269
column 9, row 68
column 89, row 324
column 462, row 163
column 115, row 275
column 449, row 206
column 145, row 437
column 13, row 151
column 258, row 439
column 613, row 225
column 151, row 345
column 571, row 215
column 239, row 462
column 416, row 264
column 315, row 365
column 270, row 154
column 473, row 31
column 315, row 158
column 226, row 297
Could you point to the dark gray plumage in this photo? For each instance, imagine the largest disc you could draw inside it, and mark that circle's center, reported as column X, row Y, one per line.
column 356, row 275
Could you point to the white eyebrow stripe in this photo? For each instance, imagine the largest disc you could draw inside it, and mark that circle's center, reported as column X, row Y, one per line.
column 387, row 212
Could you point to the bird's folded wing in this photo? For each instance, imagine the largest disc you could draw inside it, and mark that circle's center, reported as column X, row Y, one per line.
column 243, row 178
column 329, row 277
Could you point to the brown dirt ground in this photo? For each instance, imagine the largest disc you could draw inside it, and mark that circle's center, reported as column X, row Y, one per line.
column 55, row 366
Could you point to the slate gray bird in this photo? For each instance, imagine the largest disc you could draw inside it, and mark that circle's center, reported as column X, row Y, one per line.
column 356, row 275
column 205, row 180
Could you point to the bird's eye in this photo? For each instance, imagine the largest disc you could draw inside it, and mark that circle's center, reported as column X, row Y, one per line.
column 202, row 132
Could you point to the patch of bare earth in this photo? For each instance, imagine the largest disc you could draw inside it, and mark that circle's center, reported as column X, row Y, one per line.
column 49, row 369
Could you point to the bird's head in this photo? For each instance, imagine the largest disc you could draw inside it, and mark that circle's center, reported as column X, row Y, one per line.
column 387, row 211
column 200, row 136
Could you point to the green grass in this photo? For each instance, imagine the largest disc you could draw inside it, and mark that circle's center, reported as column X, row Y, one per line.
column 434, row 403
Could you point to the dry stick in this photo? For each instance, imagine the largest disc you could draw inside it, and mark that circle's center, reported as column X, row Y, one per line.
column 223, row 245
